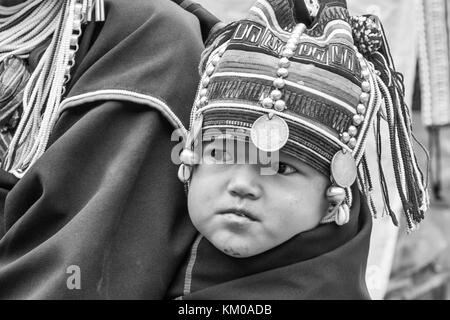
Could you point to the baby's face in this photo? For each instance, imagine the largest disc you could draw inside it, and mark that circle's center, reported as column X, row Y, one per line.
column 244, row 213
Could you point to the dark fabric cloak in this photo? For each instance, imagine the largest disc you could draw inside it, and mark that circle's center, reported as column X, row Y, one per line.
column 104, row 202
column 326, row 263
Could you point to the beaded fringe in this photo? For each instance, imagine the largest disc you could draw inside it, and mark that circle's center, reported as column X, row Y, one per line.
column 60, row 20
column 410, row 182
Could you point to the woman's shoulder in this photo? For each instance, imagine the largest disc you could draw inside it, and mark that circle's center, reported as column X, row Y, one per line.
column 150, row 48
column 137, row 12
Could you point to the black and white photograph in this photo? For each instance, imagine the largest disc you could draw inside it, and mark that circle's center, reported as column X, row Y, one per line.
column 237, row 151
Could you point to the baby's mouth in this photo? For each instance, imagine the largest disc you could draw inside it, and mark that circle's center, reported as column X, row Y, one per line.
column 240, row 213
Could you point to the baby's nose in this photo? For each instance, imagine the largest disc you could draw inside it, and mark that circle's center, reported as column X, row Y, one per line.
column 245, row 182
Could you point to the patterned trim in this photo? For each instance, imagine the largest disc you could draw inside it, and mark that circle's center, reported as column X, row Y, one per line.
column 299, row 103
column 188, row 277
column 227, row 107
column 264, row 80
column 337, row 56
column 124, row 95
column 297, row 151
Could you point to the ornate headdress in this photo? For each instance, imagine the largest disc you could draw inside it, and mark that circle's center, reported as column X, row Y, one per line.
column 314, row 91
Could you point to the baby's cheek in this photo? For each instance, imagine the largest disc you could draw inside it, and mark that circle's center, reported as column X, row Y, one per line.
column 295, row 201
column 303, row 210
column 292, row 206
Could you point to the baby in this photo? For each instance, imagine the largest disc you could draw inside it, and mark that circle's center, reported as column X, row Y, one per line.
column 276, row 149
column 244, row 212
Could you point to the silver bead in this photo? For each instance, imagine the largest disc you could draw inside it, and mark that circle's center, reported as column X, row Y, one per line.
column 280, row 105
column 291, row 46
column 366, row 74
column 203, row 101
column 206, row 81
column 357, row 120
column 345, row 137
column 335, row 191
column 299, row 29
column 335, row 195
column 222, row 51
column 288, row 53
column 189, row 157
column 279, row 83
column 293, row 41
column 283, row 72
column 284, row 63
column 365, row 86
column 71, row 55
column 365, row 97
column 361, row 109
column 73, row 40
column 267, row 103
column 210, row 70
column 76, row 24
column 78, row 11
column 215, row 61
column 67, row 70
column 352, row 131
column 203, row 92
column 276, row 95
column 352, row 143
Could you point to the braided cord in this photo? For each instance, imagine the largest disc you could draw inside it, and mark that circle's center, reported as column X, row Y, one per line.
column 31, row 31
column 61, row 22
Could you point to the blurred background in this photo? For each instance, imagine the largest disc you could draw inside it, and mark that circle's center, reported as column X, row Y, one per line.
column 401, row 266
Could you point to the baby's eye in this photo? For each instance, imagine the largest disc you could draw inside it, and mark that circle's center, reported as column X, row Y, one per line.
column 286, row 169
column 220, row 155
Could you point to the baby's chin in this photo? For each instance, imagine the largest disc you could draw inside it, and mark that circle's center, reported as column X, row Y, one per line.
column 236, row 253
column 237, row 248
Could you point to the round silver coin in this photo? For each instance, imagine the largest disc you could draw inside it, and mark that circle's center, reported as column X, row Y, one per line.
column 269, row 135
column 343, row 169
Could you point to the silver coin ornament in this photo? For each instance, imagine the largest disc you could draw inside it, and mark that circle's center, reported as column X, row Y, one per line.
column 269, row 134
column 343, row 169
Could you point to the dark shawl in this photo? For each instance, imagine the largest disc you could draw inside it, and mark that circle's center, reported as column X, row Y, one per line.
column 105, row 195
column 326, row 263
